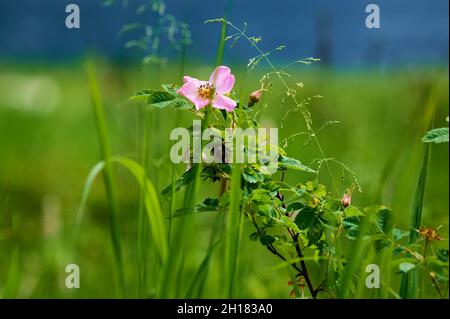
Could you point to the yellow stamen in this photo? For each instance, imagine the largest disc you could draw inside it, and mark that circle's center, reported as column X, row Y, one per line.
column 206, row 91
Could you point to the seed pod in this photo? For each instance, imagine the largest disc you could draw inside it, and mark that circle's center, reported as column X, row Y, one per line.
column 346, row 200
column 255, row 97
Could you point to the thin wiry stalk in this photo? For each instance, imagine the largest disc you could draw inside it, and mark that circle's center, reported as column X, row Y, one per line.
column 295, row 100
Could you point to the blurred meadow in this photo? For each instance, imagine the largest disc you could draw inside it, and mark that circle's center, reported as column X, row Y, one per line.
column 49, row 144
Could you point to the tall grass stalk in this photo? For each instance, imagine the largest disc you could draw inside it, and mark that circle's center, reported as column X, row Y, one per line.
column 105, row 154
column 142, row 229
column 410, row 280
column 173, row 271
column 234, row 226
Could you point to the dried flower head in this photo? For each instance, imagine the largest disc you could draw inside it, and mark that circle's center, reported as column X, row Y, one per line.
column 430, row 234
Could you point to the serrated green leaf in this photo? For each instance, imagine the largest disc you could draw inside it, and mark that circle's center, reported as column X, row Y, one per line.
column 294, row 207
column 254, row 236
column 170, row 88
column 351, row 226
column 314, row 233
column 306, row 218
column 142, row 95
column 437, row 135
column 285, row 220
column 266, row 210
column 208, row 205
column 261, row 196
column 266, row 240
column 185, row 179
column 442, row 255
column 353, row 211
column 158, row 97
column 398, row 234
column 384, row 220
column 252, row 176
column 295, row 164
column 162, row 99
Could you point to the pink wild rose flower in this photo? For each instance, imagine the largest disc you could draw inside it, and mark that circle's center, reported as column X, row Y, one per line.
column 213, row 92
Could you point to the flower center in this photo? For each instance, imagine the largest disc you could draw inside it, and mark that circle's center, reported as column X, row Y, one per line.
column 206, row 91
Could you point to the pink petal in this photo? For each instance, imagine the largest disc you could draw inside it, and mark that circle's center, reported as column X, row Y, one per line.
column 189, row 79
column 223, row 102
column 222, row 79
column 189, row 90
column 200, row 103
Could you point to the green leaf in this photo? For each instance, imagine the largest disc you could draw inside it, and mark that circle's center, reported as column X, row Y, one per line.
column 306, row 218
column 254, row 236
column 437, row 135
column 438, row 268
column 261, row 196
column 384, row 220
column 252, row 176
column 314, row 233
column 179, row 103
column 266, row 240
column 157, row 98
column 208, row 205
column 289, row 223
column 266, row 210
column 442, row 254
column 142, row 95
column 294, row 207
column 162, row 98
column 353, row 211
column 316, row 189
column 406, row 267
column 170, row 88
column 351, row 226
column 185, row 179
column 295, row 164
column 398, row 234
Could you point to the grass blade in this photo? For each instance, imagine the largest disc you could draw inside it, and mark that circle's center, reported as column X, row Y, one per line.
column 86, row 191
column 410, row 280
column 233, row 233
column 155, row 215
column 105, row 153
column 196, row 287
column 142, row 229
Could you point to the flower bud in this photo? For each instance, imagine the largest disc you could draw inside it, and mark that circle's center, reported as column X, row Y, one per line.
column 346, row 200
column 255, row 97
